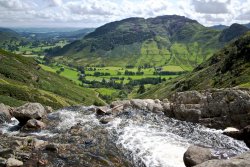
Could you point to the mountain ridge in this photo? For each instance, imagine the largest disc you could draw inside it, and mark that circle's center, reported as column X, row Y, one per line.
column 159, row 41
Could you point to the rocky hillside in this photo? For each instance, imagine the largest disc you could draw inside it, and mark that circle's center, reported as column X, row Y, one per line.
column 229, row 67
column 22, row 80
column 164, row 40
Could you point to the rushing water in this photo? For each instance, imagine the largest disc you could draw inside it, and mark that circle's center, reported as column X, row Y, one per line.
column 148, row 139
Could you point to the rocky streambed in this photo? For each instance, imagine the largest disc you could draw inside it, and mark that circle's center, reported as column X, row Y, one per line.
column 136, row 132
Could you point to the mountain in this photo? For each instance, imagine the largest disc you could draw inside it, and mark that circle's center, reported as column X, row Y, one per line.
column 218, row 27
column 7, row 35
column 164, row 40
column 247, row 25
column 230, row 67
column 233, row 32
column 22, row 80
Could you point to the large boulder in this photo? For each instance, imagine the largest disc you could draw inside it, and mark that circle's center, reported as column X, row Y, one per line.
column 5, row 115
column 29, row 111
column 196, row 155
column 242, row 160
column 216, row 108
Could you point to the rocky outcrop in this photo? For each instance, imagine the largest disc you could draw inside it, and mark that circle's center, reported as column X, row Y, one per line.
column 196, row 155
column 242, row 160
column 29, row 111
column 218, row 108
column 215, row 108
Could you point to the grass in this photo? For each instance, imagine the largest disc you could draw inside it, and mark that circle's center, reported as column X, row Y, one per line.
column 22, row 79
column 106, row 91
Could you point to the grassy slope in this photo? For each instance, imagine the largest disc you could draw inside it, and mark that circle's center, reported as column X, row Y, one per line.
column 21, row 80
column 160, row 41
column 229, row 67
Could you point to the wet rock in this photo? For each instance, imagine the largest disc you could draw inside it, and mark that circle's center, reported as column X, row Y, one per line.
column 102, row 110
column 5, row 115
column 234, row 133
column 6, row 153
column 246, row 135
column 12, row 162
column 106, row 120
column 33, row 124
column 52, row 148
column 196, row 155
column 3, row 162
column 23, row 155
column 242, row 160
column 29, row 111
column 243, row 134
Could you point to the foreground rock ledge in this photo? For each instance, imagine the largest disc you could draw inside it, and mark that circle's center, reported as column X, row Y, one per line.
column 215, row 108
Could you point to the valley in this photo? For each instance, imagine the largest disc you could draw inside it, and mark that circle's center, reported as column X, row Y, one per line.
column 164, row 91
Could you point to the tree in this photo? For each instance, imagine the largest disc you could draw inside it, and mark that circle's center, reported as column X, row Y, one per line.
column 141, row 89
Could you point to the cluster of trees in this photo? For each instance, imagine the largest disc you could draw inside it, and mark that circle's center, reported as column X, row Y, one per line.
column 97, row 74
column 133, row 73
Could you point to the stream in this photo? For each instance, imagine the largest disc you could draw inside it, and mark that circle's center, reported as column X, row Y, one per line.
column 133, row 138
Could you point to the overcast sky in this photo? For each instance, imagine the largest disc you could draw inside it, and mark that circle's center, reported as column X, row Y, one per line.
column 93, row 13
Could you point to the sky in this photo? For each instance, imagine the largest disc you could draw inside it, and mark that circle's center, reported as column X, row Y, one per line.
column 94, row 13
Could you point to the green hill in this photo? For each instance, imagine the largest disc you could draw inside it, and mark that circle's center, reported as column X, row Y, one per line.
column 164, row 40
column 9, row 39
column 230, row 67
column 22, row 80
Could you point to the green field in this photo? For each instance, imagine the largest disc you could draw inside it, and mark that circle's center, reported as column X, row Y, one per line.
column 115, row 72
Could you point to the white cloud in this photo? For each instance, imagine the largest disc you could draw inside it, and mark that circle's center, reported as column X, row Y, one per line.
column 211, row 6
column 93, row 13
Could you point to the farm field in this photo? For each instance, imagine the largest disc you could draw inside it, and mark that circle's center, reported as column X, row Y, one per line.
column 93, row 76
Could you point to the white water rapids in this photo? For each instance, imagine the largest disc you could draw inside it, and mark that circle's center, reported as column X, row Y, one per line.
column 151, row 140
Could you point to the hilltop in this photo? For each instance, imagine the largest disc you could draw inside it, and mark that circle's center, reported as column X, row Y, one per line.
column 230, row 67
column 164, row 40
column 22, row 80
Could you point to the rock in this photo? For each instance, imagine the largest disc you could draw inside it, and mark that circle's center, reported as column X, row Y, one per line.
column 12, row 162
column 102, row 110
column 48, row 109
column 3, row 162
column 119, row 103
column 139, row 104
column 23, row 155
column 6, row 153
column 39, row 143
column 106, row 120
column 246, row 135
column 52, row 148
column 34, row 124
column 242, row 160
column 196, row 155
column 5, row 115
column 214, row 108
column 29, row 111
column 234, row 133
